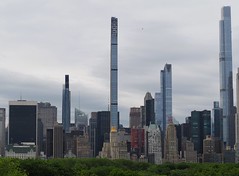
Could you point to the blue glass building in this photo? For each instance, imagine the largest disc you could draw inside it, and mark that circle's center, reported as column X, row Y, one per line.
column 66, row 105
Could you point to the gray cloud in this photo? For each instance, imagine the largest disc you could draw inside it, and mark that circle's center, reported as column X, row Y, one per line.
column 41, row 41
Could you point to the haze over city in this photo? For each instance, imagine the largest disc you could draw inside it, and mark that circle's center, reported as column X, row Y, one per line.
column 41, row 41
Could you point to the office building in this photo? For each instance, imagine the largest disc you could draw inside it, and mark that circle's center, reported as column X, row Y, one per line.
column 200, row 128
column 58, row 141
column 154, row 146
column 134, row 118
column 237, row 119
column 226, row 83
column 102, row 130
column 23, row 119
column 81, row 119
column 114, row 118
column 2, row 131
column 92, row 132
column 218, row 121
column 137, row 138
column 171, row 144
column 166, row 93
column 149, row 109
column 158, row 109
column 66, row 105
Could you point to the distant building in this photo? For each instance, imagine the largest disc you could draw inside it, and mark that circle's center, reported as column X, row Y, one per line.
column 226, row 83
column 2, row 131
column 190, row 155
column 92, row 132
column 47, row 114
column 81, row 119
column 22, row 122
column 210, row 154
column 83, row 149
column 134, row 118
column 58, row 141
column 154, row 143
column 23, row 151
column 158, row 109
column 66, row 105
column 171, row 145
column 49, row 143
column 102, row 130
column 218, row 121
column 149, row 109
column 137, row 141
column 200, row 128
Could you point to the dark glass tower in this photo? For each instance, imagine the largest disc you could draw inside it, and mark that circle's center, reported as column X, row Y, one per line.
column 66, row 105
column 22, row 122
column 226, row 87
column 114, row 75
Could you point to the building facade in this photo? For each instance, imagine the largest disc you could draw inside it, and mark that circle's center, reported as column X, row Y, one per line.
column 134, row 118
column 226, row 83
column 23, row 119
column 114, row 75
column 66, row 105
column 149, row 109
column 2, row 131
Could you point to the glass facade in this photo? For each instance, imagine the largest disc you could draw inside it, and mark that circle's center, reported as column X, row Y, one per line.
column 66, row 105
column 114, row 75
column 226, row 87
column 22, row 123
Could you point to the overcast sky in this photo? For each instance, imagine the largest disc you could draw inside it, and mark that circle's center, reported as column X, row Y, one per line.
column 42, row 40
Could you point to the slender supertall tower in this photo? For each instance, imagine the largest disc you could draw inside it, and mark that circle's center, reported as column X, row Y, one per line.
column 237, row 118
column 226, row 87
column 66, row 105
column 114, row 75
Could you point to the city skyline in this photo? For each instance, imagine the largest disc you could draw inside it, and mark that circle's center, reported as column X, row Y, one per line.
column 53, row 38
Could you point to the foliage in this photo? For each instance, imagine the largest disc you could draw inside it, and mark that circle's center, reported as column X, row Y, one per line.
column 104, row 167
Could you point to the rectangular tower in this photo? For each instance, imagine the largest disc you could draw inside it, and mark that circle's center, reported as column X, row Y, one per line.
column 166, row 93
column 114, row 75
column 226, row 87
column 66, row 105
column 22, row 122
column 2, row 131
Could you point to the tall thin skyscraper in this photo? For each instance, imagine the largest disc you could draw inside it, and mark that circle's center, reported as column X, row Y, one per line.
column 226, row 87
column 237, row 119
column 166, row 93
column 66, row 105
column 114, row 75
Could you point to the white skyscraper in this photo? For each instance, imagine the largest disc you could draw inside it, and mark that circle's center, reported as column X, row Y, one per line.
column 226, row 86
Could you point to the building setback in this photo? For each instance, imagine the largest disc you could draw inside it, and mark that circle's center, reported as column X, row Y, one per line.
column 226, row 83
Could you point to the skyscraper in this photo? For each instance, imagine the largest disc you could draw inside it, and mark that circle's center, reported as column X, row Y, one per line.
column 166, row 93
column 22, row 122
column 66, row 105
column 226, row 87
column 217, row 116
column 2, row 130
column 149, row 109
column 114, row 75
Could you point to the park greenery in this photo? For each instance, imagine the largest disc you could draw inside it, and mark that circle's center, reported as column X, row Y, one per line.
column 104, row 167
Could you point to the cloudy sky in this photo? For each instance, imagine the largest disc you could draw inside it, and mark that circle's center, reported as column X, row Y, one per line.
column 42, row 40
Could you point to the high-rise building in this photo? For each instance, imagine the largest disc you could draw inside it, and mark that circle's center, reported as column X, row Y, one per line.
column 92, row 132
column 23, row 119
column 58, row 141
column 114, row 118
column 66, row 105
column 102, row 130
column 166, row 93
column 134, row 118
column 137, row 141
column 200, row 128
column 158, row 109
column 171, row 144
column 81, row 119
column 154, row 143
column 2, row 130
column 149, row 109
column 217, row 118
column 226, row 83
column 237, row 119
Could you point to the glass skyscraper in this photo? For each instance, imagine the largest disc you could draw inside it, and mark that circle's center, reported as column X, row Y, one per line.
column 166, row 96
column 114, row 75
column 66, row 105
column 226, row 86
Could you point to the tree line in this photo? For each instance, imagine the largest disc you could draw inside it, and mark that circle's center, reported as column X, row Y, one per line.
column 105, row 167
